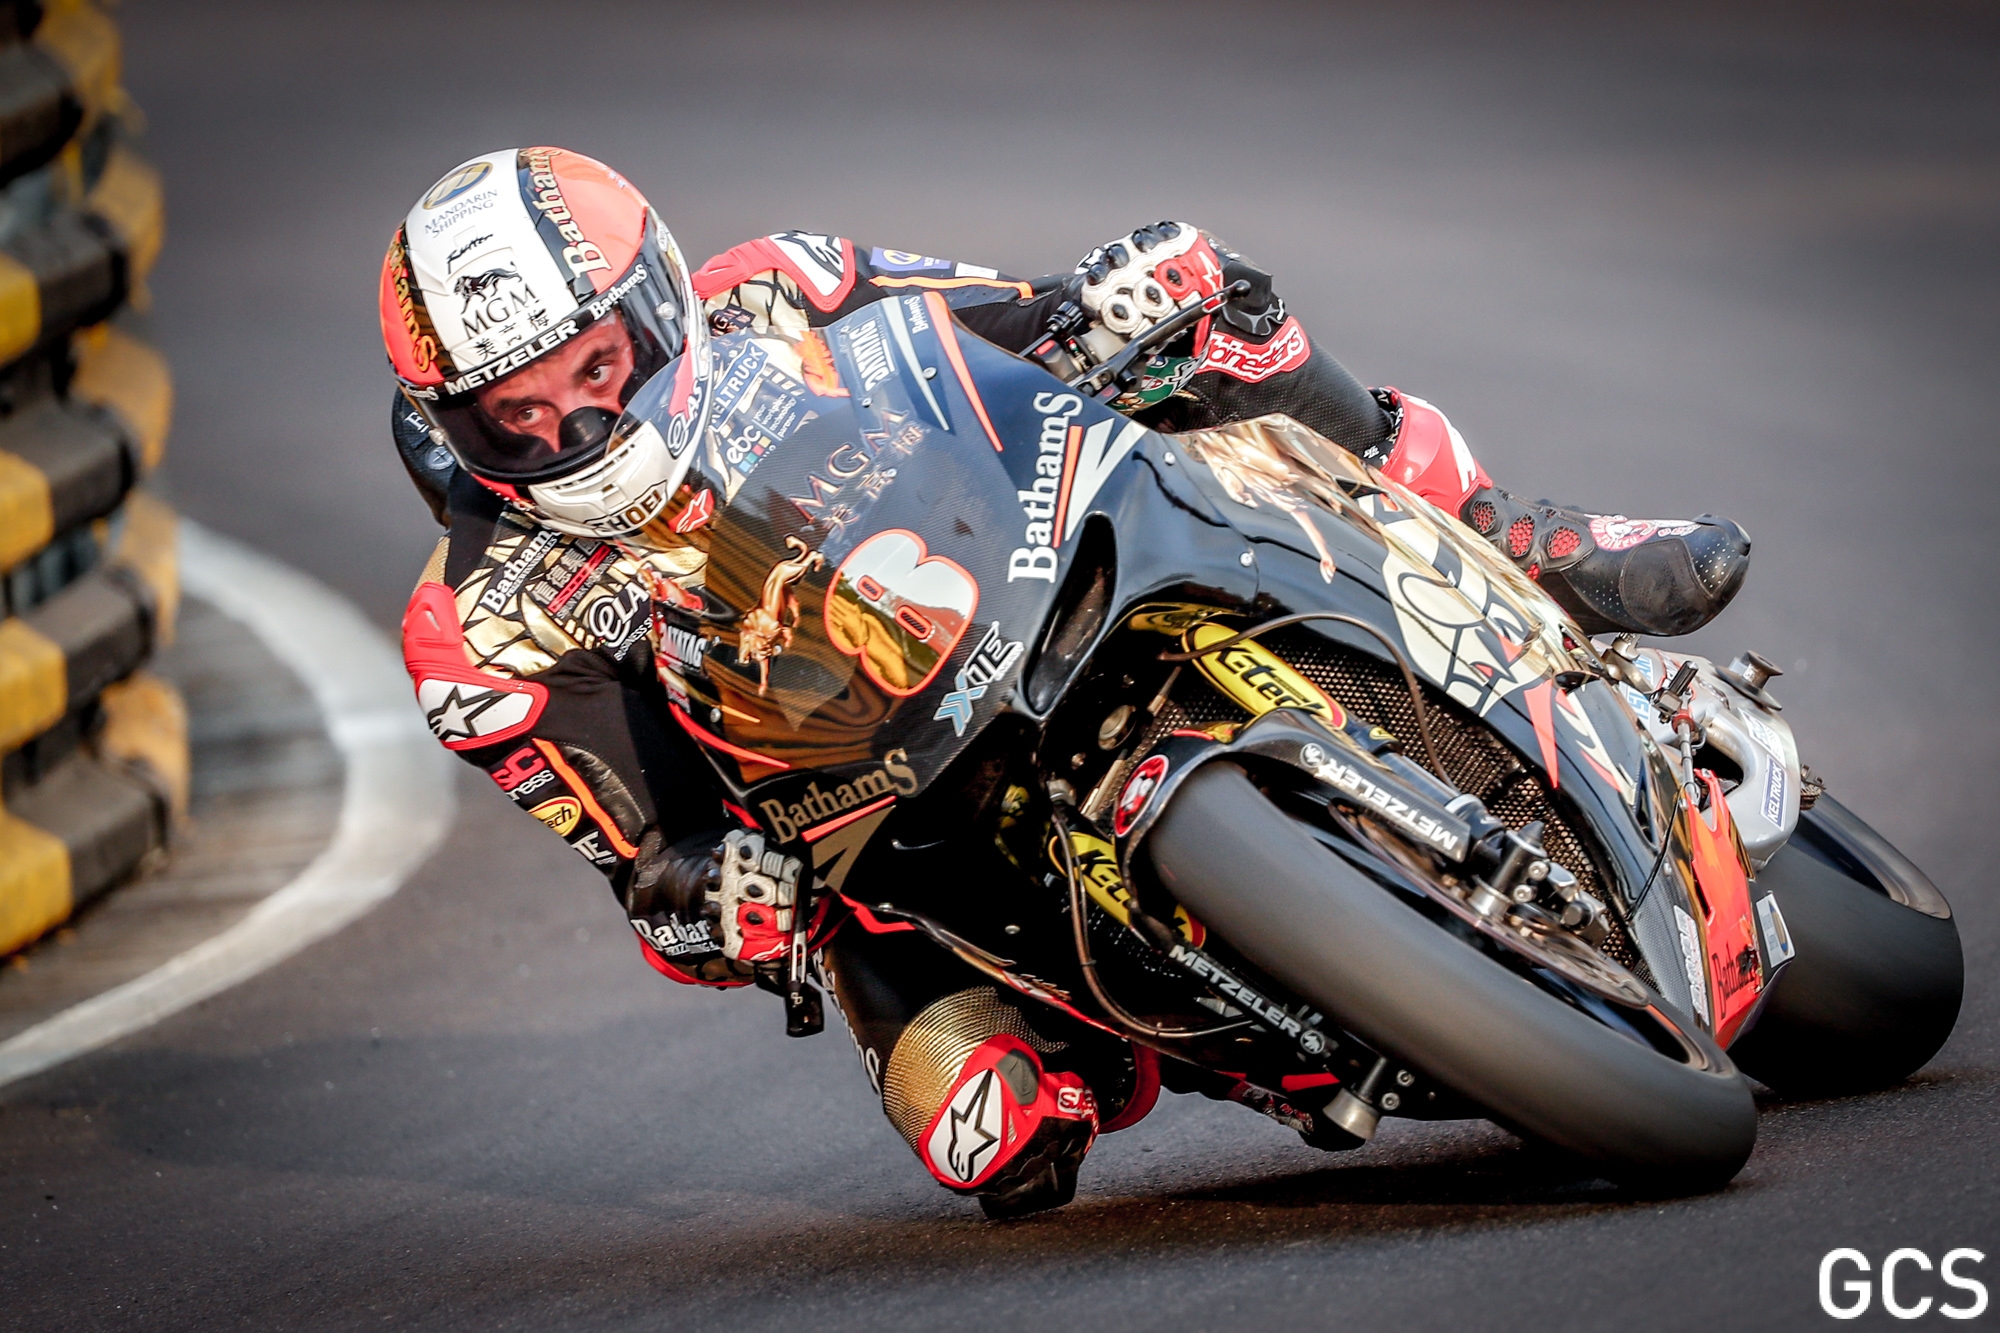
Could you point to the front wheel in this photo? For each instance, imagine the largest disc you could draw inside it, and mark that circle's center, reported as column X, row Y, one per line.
column 1665, row 1115
column 1875, row 987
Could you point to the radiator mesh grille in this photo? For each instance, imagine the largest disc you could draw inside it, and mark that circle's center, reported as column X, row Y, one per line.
column 1475, row 759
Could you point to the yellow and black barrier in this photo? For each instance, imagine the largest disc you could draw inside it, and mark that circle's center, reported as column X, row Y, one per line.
column 59, row 77
column 93, row 749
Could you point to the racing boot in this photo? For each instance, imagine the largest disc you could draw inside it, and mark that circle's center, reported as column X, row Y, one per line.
column 990, row 1121
column 1613, row 574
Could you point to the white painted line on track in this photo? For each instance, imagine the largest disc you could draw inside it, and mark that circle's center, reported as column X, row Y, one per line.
column 396, row 805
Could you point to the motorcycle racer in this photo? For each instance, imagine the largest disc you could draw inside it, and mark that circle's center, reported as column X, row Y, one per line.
column 531, row 293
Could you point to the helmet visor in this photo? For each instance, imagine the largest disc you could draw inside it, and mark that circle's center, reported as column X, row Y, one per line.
column 544, row 410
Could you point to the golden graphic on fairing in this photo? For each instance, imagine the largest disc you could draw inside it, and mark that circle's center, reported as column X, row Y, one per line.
column 1255, row 466
column 766, row 628
column 1473, row 623
column 1476, row 637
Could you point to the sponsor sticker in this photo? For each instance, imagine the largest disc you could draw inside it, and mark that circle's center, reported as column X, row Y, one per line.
column 1691, row 963
column 1615, row 532
column 617, row 293
column 1765, row 736
column 1138, row 794
column 699, row 510
column 904, row 261
column 819, row 258
column 1254, row 363
column 1774, row 792
column 416, row 326
column 684, row 649
column 460, row 207
column 869, row 345
column 1073, row 464
column 1097, row 868
column 900, row 609
column 1271, row 1014
column 803, row 816
column 456, row 184
column 561, row 814
column 503, row 586
column 1777, row 939
column 1446, row 837
column 522, row 772
column 988, row 662
column 969, row 1129
column 578, row 568
column 592, row 849
column 520, row 356
column 673, row 936
column 619, row 619
column 546, row 196
column 492, row 300
column 1258, row 678
column 740, row 376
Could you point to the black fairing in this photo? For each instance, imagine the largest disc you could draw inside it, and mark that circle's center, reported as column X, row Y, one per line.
column 963, row 537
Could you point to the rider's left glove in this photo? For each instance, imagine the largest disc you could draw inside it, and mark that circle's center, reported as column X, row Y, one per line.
column 752, row 899
column 1142, row 278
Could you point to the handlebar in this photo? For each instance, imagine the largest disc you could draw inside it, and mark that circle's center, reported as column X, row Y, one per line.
column 1114, row 376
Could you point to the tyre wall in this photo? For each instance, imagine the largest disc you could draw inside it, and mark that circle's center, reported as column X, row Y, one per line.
column 93, row 748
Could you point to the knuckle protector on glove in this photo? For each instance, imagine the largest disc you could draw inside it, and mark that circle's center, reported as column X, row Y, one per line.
column 753, row 898
column 1144, row 277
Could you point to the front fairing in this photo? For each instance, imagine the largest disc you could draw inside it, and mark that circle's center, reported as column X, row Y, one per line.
column 886, row 514
column 889, row 508
column 1474, row 628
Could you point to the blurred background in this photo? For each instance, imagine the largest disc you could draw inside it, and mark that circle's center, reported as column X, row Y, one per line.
column 1741, row 258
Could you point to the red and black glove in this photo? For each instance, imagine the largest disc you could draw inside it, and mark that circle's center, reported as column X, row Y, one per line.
column 752, row 899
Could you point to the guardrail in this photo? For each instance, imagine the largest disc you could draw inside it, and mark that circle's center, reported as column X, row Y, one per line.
column 93, row 749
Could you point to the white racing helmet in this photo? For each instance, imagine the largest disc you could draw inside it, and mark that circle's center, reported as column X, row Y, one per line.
column 525, row 299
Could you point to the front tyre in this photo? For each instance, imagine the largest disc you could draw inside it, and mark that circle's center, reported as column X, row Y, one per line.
column 1875, row 987
column 1665, row 1123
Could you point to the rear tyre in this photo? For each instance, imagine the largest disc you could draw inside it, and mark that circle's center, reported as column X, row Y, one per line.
column 1875, row 987
column 1393, row 977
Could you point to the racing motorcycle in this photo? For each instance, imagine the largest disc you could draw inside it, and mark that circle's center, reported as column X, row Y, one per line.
column 1231, row 748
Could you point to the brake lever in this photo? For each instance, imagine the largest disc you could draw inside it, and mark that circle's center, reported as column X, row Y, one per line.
column 805, row 1014
column 1114, row 376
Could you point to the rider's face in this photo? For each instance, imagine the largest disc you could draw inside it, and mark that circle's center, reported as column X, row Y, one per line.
column 588, row 372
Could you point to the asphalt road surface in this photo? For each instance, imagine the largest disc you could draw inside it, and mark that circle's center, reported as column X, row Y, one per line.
column 1660, row 260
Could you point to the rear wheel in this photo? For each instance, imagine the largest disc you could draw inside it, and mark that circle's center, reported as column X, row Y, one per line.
column 1875, row 987
column 1649, row 1102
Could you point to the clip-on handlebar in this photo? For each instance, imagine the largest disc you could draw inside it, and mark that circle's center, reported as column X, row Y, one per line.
column 1114, row 376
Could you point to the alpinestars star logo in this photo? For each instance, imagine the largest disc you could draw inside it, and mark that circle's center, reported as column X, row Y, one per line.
column 969, row 1130
column 460, row 714
column 456, row 717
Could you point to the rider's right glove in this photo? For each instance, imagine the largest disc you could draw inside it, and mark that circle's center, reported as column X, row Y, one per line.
column 752, row 899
